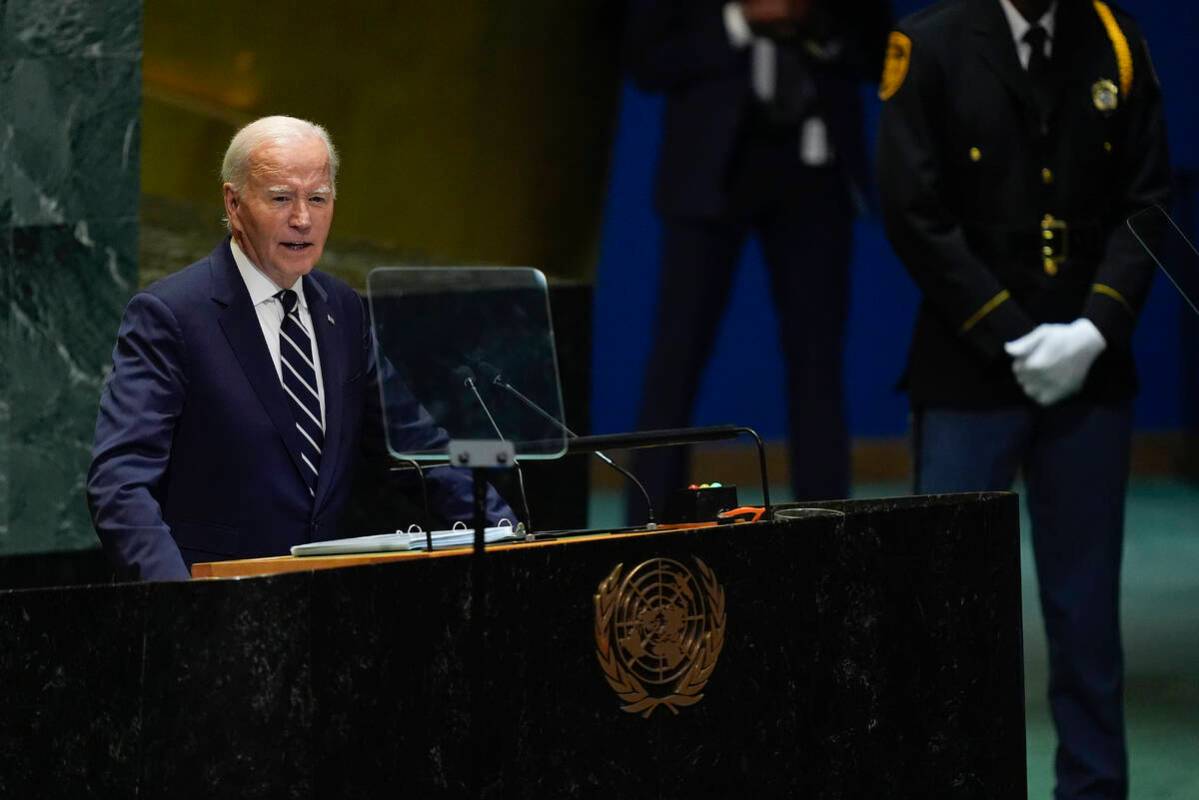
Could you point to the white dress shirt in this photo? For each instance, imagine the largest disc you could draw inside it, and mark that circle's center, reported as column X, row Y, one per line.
column 270, row 315
column 1020, row 26
column 815, row 150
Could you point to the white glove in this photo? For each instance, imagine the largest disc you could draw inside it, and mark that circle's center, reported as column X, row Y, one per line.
column 1051, row 362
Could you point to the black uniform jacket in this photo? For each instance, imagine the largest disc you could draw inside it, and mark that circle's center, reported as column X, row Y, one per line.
column 1008, row 216
column 681, row 48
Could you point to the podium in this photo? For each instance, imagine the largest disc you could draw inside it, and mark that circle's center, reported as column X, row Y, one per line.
column 874, row 654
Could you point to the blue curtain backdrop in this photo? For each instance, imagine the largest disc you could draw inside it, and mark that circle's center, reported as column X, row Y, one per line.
column 743, row 382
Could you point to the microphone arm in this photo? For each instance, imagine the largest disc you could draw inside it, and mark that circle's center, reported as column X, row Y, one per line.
column 424, row 492
column 672, row 437
column 498, row 380
column 469, row 382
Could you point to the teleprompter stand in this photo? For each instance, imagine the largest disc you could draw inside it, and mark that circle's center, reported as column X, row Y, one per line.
column 480, row 455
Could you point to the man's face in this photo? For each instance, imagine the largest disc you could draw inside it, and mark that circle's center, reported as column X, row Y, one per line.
column 281, row 217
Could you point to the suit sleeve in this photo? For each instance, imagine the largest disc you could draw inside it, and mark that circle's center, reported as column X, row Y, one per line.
column 1126, row 271
column 395, row 417
column 672, row 43
column 924, row 231
column 139, row 407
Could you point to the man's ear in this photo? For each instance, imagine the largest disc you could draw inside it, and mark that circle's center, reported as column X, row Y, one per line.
column 231, row 200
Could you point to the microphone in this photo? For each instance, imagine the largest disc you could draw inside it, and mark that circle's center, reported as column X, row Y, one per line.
column 490, row 373
column 493, row 376
column 467, row 376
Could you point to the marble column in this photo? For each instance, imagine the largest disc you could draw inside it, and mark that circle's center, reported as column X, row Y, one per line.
column 70, row 95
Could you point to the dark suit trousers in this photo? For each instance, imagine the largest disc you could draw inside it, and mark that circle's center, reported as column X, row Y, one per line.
column 1075, row 459
column 803, row 219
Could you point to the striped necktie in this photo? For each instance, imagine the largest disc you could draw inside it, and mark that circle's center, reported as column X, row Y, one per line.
column 299, row 381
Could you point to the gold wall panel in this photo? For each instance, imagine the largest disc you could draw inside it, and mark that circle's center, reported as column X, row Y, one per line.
column 470, row 132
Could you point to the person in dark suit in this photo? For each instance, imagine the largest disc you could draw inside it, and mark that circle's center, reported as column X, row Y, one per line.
column 1017, row 137
column 241, row 385
column 762, row 135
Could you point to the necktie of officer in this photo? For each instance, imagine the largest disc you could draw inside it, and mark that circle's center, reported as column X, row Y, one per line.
column 299, row 382
column 1038, row 66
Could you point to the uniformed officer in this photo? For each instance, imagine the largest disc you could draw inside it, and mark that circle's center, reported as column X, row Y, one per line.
column 762, row 135
column 1017, row 137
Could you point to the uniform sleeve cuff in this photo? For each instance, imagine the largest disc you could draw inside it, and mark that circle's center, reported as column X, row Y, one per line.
column 1000, row 320
column 1113, row 319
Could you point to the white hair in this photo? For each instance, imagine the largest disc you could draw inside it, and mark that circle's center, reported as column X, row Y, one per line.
column 235, row 169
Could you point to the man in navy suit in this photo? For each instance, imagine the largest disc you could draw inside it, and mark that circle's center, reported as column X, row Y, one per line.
column 244, row 386
column 762, row 135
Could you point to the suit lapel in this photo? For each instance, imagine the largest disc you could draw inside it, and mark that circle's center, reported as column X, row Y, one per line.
column 998, row 51
column 239, row 322
column 324, row 327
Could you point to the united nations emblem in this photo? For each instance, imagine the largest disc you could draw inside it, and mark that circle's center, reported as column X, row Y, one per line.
column 1105, row 95
column 658, row 633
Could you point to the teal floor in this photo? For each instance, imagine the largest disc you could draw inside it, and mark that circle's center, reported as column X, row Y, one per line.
column 1160, row 622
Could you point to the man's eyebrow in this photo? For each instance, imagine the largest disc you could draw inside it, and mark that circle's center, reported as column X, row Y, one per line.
column 283, row 189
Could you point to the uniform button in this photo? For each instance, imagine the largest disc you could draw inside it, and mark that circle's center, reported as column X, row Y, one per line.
column 1107, row 146
column 975, row 154
column 1050, row 267
column 1047, row 233
column 1046, row 175
column 1046, row 250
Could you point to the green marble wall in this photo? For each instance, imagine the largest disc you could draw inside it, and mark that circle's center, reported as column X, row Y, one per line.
column 70, row 94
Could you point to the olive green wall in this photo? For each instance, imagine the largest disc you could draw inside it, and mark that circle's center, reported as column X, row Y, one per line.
column 470, row 132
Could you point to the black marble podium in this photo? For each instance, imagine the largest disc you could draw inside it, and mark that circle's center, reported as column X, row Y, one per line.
column 872, row 655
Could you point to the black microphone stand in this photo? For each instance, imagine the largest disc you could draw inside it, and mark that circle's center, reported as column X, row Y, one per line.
column 424, row 493
column 520, row 475
column 498, row 380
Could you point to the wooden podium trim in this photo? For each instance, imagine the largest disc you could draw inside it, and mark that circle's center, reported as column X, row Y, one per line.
column 276, row 565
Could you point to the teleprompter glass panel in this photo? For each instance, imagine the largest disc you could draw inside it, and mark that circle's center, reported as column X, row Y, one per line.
column 457, row 348
column 1169, row 247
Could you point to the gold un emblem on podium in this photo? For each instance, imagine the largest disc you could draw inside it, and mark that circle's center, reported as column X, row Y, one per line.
column 658, row 633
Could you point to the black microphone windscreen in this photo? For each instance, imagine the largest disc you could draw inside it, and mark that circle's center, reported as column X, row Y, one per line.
column 490, row 373
column 464, row 374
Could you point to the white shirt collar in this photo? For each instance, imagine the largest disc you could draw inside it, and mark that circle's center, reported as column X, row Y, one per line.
column 261, row 287
column 1020, row 25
